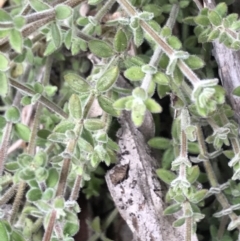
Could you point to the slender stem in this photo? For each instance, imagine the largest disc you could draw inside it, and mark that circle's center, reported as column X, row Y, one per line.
column 100, row 14
column 48, row 232
column 43, row 100
column 199, row 4
column 209, row 3
column 4, row 145
column 192, row 77
column 234, row 141
column 17, row 200
column 8, row 194
column 28, row 30
column 26, row 9
column 183, row 151
column 211, row 175
column 70, row 149
column 158, row 51
column 76, row 188
column 34, row 130
column 36, row 123
column 188, row 229
column 63, row 177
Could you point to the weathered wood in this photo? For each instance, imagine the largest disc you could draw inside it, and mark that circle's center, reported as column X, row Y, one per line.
column 229, row 68
column 136, row 189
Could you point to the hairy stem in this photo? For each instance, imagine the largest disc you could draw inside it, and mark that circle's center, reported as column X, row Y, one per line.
column 43, row 100
column 8, row 194
column 4, row 145
column 17, row 200
column 49, row 229
column 191, row 76
column 211, row 175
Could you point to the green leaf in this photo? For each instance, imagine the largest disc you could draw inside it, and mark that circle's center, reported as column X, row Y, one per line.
column 43, row 206
column 5, row 17
column 3, row 84
column 70, row 229
column 93, row 124
column 63, row 126
column 199, row 196
column 191, row 133
column 85, row 145
column 58, row 137
column 168, row 158
column 153, row 8
column 215, row 18
column 107, row 105
column 19, row 21
column 58, row 202
column 27, row 174
column 138, row 113
column 179, row 222
column 138, row 36
column 11, row 166
column 50, row 90
column 134, row 73
column 235, row 25
column 174, row 42
column 193, row 147
column 53, row 177
column 100, row 48
column 121, row 103
column 145, row 15
column 4, row 62
column 17, row 236
column 236, row 91
column 63, row 11
column 193, row 174
column 48, row 194
column 12, row 114
column 4, row 233
column 153, row 106
column 34, row 194
column 163, row 90
column 68, row 39
column 94, row 2
column 108, row 79
column 229, row 154
column 214, row 34
column 172, row 209
column 235, row 45
column 161, row 78
column 38, row 5
column 139, row 93
column 149, row 69
column 95, row 160
column 74, row 106
column 96, row 225
column 166, row 32
column 184, row 4
column 202, row 20
column 51, row 47
column 56, row 35
column 221, row 9
column 2, row 122
column 165, row 175
column 159, row 143
column 22, row 131
column 76, row 82
column 120, row 41
column 194, row 62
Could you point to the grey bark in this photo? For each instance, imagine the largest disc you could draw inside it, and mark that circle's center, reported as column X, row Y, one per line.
column 136, row 190
column 229, row 67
